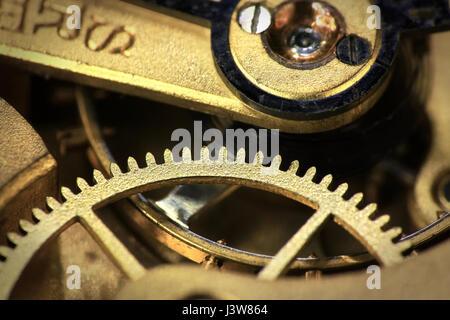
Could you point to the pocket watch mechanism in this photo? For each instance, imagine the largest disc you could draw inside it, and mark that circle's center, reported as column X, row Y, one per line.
column 353, row 95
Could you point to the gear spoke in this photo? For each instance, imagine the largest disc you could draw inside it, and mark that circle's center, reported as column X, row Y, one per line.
column 181, row 204
column 290, row 250
column 112, row 246
column 222, row 171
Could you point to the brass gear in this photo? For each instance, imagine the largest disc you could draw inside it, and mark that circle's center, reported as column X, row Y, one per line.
column 79, row 207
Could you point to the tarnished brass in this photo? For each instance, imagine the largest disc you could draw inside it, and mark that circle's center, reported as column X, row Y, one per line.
column 79, row 208
column 443, row 192
column 153, row 55
column 140, row 50
column 27, row 170
column 179, row 239
column 181, row 204
column 172, row 203
column 425, row 203
column 421, row 277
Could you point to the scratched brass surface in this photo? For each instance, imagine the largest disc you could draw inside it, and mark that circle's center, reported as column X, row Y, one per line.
column 28, row 171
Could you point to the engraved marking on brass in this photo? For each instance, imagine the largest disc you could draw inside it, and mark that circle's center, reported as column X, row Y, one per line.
column 168, row 60
column 114, row 33
column 50, row 14
column 12, row 14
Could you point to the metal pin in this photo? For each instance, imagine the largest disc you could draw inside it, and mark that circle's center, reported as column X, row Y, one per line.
column 353, row 50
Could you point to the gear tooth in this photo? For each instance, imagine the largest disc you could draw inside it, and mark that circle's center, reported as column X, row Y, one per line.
column 309, row 175
column 326, row 181
column 293, row 168
column 356, row 199
column 115, row 169
column 13, row 237
column 132, row 164
column 404, row 245
column 38, row 214
column 259, row 158
column 240, row 156
column 82, row 184
column 369, row 210
column 150, row 159
column 52, row 203
column 168, row 156
column 394, row 232
column 5, row 251
column 342, row 189
column 26, row 225
column 186, row 154
column 67, row 193
column 276, row 162
column 382, row 221
column 223, row 155
column 98, row 176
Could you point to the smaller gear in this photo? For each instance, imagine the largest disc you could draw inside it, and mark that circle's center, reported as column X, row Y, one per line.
column 80, row 207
